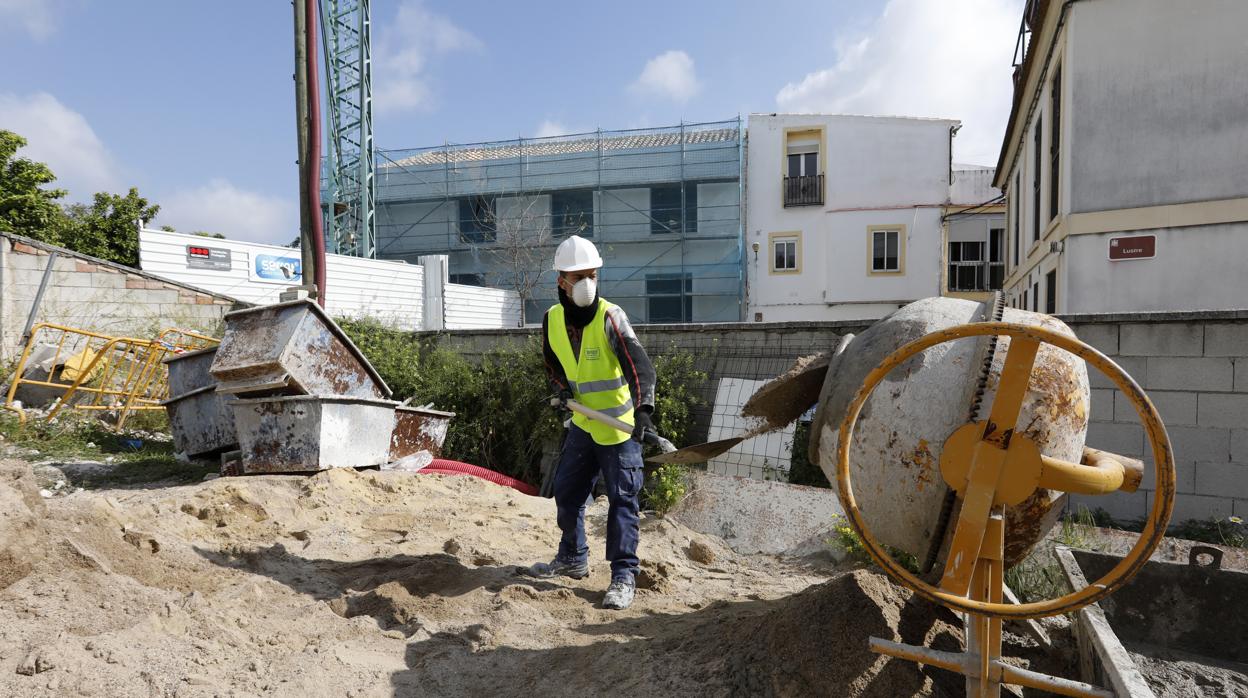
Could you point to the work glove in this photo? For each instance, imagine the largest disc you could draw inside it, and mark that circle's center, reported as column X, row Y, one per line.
column 563, row 397
column 641, row 422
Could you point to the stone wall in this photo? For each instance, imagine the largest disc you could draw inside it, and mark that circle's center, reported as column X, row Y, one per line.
column 1193, row 365
column 96, row 295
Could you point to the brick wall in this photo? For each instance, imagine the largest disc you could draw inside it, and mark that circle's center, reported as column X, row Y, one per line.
column 94, row 295
column 1194, row 367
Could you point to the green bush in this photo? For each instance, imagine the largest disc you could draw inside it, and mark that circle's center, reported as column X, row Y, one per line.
column 676, row 393
column 801, row 470
column 665, row 487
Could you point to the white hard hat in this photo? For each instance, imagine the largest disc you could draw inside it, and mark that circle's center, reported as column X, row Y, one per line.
column 577, row 254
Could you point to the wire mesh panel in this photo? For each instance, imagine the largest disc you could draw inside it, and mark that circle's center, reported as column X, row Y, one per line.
column 736, row 362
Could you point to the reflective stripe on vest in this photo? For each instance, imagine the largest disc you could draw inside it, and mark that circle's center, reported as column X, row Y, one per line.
column 595, row 376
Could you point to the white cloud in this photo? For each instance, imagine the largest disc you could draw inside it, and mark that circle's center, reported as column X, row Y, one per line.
column 669, row 75
column 401, row 57
column 62, row 138
column 551, row 128
column 924, row 58
column 221, row 207
column 36, row 17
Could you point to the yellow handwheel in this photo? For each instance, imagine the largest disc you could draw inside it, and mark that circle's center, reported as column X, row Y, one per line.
column 994, row 473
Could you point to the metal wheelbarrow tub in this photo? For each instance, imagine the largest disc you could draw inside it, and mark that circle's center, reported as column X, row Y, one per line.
column 417, row 429
column 292, row 348
column 202, row 422
column 306, row 433
column 190, row 371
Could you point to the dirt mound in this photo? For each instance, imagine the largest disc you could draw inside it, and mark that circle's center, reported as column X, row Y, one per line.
column 383, row 584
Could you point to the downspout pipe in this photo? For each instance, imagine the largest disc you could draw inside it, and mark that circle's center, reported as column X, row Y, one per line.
column 313, row 192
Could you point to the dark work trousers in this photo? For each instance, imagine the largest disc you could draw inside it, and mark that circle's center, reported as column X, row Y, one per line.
column 580, row 464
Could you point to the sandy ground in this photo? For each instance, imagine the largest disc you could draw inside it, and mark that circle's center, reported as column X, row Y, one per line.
column 379, row 584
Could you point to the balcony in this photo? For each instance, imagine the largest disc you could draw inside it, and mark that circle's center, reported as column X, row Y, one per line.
column 803, row 191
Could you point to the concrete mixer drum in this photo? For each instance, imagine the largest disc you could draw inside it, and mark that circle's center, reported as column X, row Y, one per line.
column 896, row 446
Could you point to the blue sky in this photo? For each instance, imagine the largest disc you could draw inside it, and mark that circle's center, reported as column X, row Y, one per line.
column 193, row 101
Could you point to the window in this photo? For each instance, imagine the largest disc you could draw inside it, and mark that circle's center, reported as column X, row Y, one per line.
column 665, row 209
column 1035, row 180
column 885, row 251
column 1035, row 296
column 803, row 164
column 1055, row 140
column 784, row 253
column 477, row 220
column 1050, row 292
column 572, row 213
column 970, row 269
column 966, row 266
column 1018, row 203
column 803, row 184
column 466, row 279
column 667, row 299
column 996, row 258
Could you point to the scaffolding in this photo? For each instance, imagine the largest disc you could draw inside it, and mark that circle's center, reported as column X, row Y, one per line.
column 662, row 204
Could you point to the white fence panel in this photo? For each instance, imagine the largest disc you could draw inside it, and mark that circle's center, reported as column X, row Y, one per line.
column 477, row 307
column 386, row 290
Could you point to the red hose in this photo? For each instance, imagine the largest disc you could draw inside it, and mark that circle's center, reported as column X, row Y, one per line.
column 441, row 466
column 317, row 232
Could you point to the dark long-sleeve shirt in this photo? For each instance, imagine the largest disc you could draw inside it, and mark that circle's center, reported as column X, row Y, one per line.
column 638, row 371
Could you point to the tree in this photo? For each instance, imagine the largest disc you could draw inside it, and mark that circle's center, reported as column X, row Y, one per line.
column 108, row 228
column 26, row 208
column 206, row 234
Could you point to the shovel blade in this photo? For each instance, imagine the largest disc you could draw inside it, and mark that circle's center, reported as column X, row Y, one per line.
column 697, row 453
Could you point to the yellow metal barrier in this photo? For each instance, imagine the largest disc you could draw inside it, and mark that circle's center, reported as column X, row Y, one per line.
column 95, row 371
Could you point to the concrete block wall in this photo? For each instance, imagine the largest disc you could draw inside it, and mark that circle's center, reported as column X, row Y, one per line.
column 94, row 295
column 1194, row 368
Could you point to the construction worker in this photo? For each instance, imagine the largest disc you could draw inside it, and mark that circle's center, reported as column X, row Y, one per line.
column 593, row 356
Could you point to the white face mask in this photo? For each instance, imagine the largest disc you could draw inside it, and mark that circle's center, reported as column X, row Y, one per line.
column 584, row 292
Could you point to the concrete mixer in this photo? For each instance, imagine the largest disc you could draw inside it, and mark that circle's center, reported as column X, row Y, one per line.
column 953, row 431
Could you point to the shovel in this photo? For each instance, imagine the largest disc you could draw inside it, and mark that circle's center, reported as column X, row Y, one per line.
column 649, row 436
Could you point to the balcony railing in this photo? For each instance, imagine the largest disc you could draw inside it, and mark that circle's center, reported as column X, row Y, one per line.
column 803, row 191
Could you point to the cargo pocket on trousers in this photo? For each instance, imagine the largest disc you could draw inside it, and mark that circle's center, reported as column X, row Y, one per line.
column 629, row 481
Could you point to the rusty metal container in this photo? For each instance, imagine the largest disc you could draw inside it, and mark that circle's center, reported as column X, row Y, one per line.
column 304, row 433
column 292, row 348
column 190, row 371
column 202, row 422
column 897, row 443
column 417, row 429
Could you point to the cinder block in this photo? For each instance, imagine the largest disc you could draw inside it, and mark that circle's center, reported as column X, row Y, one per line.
column 1180, row 373
column 27, row 262
column 1226, row 339
column 74, row 280
column 1241, row 375
column 1161, row 339
column 1135, row 366
column 1103, row 337
column 1126, row 439
column 1201, row 508
column 1222, row 479
column 1177, row 408
column 104, row 279
column 1102, row 405
column 1122, row 506
column 1239, row 445
column 1197, row 444
column 1240, row 507
column 1229, row 410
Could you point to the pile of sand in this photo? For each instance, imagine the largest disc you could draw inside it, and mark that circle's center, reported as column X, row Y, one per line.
column 377, row 584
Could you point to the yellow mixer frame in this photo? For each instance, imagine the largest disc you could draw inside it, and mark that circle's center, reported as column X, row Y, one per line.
column 991, row 467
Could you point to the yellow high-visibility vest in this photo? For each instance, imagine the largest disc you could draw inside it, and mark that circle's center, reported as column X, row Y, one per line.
column 595, row 377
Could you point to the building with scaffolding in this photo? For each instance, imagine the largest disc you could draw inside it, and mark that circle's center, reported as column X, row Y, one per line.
column 663, row 205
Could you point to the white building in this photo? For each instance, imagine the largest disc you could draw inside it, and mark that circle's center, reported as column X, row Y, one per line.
column 1125, row 157
column 843, row 214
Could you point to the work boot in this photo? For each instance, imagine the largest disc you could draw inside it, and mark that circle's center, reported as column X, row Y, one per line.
column 619, row 595
column 559, row 568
